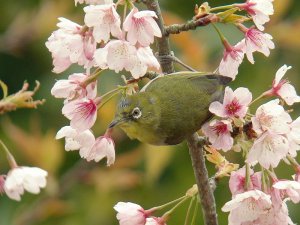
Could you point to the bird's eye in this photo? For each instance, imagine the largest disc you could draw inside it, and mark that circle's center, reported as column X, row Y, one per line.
column 136, row 113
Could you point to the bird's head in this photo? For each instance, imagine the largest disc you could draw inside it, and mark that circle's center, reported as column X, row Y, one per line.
column 136, row 112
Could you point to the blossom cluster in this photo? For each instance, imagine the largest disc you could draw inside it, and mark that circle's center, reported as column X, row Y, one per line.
column 104, row 42
column 272, row 136
column 254, row 41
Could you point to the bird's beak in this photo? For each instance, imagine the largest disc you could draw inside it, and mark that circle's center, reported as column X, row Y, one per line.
column 116, row 121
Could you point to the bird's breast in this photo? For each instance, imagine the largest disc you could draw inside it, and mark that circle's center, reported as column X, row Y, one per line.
column 144, row 135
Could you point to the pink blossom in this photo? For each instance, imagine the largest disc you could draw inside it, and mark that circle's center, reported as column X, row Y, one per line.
column 247, row 207
column 141, row 27
column 260, row 10
column 104, row 146
column 235, row 103
column 294, row 137
column 130, row 213
column 291, row 189
column 145, row 61
column 282, row 88
column 118, row 55
column 237, row 181
column 276, row 215
column 271, row 117
column 31, row 179
column 256, row 41
column 82, row 112
column 218, row 133
column 268, row 150
column 74, row 87
column 232, row 58
column 155, row 221
column 93, row 2
column 70, row 45
column 75, row 140
column 105, row 21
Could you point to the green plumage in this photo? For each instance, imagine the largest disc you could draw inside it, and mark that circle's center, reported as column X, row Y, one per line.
column 170, row 107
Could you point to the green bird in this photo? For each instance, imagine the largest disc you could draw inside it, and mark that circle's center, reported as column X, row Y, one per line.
column 169, row 108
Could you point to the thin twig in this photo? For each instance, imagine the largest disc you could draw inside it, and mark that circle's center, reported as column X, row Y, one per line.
column 191, row 25
column 173, row 58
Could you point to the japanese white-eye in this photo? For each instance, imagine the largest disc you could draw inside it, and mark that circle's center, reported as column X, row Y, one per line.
column 169, row 108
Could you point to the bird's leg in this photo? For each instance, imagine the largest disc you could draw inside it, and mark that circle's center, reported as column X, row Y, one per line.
column 172, row 58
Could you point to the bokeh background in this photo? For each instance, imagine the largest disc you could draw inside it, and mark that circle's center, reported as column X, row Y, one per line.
column 84, row 193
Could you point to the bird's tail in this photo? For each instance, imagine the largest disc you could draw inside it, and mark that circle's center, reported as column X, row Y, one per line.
column 222, row 79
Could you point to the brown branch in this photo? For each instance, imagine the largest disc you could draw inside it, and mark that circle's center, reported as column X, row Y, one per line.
column 205, row 186
column 195, row 146
column 163, row 42
column 191, row 25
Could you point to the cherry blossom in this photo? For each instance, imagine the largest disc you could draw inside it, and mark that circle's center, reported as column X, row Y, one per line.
column 259, row 10
column 145, row 60
column 271, row 117
column 256, row 41
column 93, row 2
column 104, row 19
column 237, row 181
column 276, row 215
column 218, row 133
column 82, row 141
column 155, row 221
column 282, row 88
column 130, row 213
column 235, row 103
column 141, row 27
column 74, row 87
column 82, row 112
column 31, row 179
column 247, row 207
column 294, row 137
column 268, row 150
column 291, row 188
column 232, row 58
column 104, row 146
column 69, row 44
column 118, row 55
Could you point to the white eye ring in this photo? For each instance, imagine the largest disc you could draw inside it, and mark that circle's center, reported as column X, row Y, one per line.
column 136, row 113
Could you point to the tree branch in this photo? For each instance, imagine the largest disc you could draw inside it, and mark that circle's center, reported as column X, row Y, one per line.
column 195, row 146
column 163, row 42
column 205, row 188
column 191, row 25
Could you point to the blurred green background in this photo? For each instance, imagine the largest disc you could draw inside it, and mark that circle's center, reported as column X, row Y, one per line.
column 84, row 193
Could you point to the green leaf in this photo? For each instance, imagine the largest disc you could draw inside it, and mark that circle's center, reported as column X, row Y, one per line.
column 4, row 88
column 234, row 18
column 228, row 16
column 227, row 13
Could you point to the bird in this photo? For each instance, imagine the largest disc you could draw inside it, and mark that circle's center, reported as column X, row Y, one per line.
column 169, row 108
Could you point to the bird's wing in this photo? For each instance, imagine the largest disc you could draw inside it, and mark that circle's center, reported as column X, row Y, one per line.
column 209, row 83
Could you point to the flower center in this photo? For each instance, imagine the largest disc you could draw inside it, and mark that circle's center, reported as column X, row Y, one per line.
column 220, row 128
column 233, row 107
